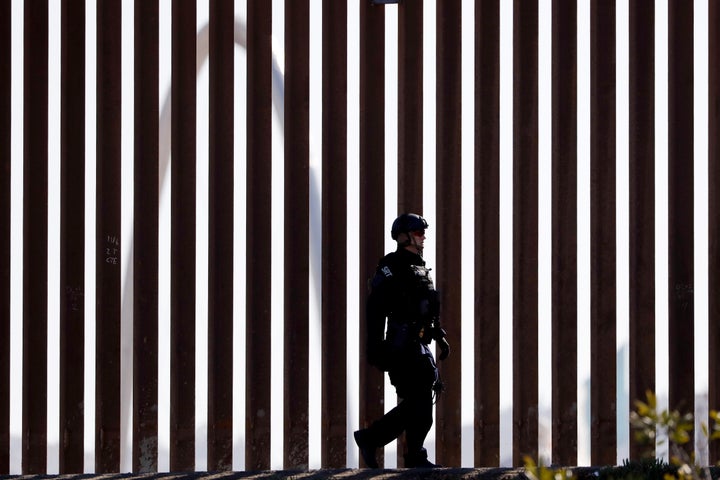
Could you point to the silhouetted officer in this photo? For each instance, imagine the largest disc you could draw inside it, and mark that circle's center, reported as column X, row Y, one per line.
column 402, row 292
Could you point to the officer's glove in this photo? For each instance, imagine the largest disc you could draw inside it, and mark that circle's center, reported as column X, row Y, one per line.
column 440, row 335
column 444, row 348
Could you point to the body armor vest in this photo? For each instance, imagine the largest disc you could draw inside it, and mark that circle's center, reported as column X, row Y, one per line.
column 415, row 313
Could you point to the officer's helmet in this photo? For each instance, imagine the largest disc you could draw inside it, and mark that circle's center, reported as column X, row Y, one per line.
column 406, row 223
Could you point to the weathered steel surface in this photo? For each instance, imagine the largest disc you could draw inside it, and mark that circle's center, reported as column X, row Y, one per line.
column 525, row 230
column 564, row 231
column 221, row 235
column 449, row 224
column 410, row 107
column 373, row 230
column 108, row 260
column 258, row 228
column 410, row 122
column 145, row 241
column 603, row 282
column 487, row 237
column 72, row 236
column 5, row 91
column 681, row 281
column 642, row 202
column 713, row 217
column 297, row 223
column 335, row 229
column 35, row 238
column 183, row 241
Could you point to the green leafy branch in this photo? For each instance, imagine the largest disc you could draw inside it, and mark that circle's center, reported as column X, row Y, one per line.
column 540, row 472
column 651, row 428
column 678, row 428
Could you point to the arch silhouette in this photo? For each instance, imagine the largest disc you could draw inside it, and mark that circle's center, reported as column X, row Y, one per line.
column 164, row 154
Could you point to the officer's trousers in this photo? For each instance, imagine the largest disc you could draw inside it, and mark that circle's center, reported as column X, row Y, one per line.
column 413, row 376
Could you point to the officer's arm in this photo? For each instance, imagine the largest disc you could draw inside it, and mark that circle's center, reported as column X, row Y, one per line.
column 377, row 309
column 438, row 333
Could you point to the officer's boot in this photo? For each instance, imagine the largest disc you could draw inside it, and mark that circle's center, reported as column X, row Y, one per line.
column 367, row 447
column 418, row 459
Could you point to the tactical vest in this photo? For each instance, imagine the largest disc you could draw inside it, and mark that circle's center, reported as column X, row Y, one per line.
column 416, row 309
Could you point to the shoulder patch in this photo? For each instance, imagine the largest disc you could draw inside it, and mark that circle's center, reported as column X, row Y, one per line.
column 386, row 271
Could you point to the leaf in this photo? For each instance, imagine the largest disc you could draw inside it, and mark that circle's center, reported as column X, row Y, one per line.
column 652, row 399
column 643, row 409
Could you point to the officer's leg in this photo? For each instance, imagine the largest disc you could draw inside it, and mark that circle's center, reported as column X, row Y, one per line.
column 419, row 412
column 391, row 425
column 384, row 430
column 381, row 432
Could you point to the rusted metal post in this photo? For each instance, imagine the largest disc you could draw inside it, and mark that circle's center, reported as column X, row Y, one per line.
column 108, row 260
column 410, row 122
column 145, row 261
column 72, row 236
column 410, row 109
column 681, row 206
column 564, row 232
column 258, row 228
column 35, row 233
column 5, row 92
column 183, row 241
column 334, row 233
column 297, row 243
column 487, row 233
column 714, row 218
column 449, row 223
column 525, row 230
column 642, row 203
column 372, row 192
column 603, row 282
column 221, row 235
